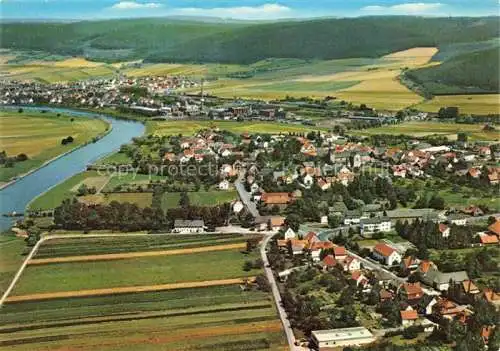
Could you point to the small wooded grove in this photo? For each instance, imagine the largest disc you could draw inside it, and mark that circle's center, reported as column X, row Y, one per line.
column 74, row 215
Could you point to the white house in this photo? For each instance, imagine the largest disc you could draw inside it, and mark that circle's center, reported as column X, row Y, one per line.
column 386, row 254
column 338, row 338
column 238, row 207
column 351, row 264
column 444, row 230
column 224, row 185
column 290, row 234
column 457, row 219
column 308, row 180
column 373, row 225
column 408, row 317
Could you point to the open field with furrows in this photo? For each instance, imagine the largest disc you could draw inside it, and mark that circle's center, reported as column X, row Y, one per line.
column 200, row 198
column 11, row 249
column 134, row 243
column 190, row 127
column 372, row 82
column 183, row 314
column 39, row 135
column 479, row 104
column 450, row 130
column 135, row 271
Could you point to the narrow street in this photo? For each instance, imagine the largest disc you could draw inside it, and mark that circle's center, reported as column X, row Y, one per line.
column 245, row 196
column 277, row 297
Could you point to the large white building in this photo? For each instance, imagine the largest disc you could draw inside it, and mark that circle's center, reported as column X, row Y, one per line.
column 184, row 226
column 374, row 225
column 331, row 339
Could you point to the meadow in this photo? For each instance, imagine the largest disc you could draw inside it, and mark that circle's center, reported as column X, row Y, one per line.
column 11, row 249
column 199, row 198
column 39, row 135
column 447, row 129
column 202, row 318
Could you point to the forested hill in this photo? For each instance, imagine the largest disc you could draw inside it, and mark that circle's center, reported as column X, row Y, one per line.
column 168, row 40
column 471, row 72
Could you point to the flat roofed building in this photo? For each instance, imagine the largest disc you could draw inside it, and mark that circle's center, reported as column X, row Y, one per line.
column 188, row 226
column 331, row 339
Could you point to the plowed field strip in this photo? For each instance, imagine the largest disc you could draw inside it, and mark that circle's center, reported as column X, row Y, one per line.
column 124, row 290
column 120, row 256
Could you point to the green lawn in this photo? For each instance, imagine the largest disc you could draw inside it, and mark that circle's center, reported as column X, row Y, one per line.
column 200, row 198
column 39, row 136
column 140, row 199
column 118, row 158
column 134, row 271
column 54, row 196
column 11, row 249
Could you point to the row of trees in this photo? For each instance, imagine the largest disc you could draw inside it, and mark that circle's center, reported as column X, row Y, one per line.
column 74, row 215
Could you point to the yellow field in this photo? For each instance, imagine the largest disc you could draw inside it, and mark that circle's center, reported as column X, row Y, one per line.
column 34, row 134
column 378, row 86
column 473, row 104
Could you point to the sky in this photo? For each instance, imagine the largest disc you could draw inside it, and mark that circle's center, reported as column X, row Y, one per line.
column 241, row 9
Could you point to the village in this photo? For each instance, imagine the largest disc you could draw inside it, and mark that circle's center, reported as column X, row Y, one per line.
column 356, row 239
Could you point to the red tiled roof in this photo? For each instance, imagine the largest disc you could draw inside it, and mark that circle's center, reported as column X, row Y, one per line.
column 383, row 249
column 495, row 227
column 309, row 236
column 276, row 198
column 424, row 266
column 321, row 245
column 413, row 290
column 442, row 227
column 488, row 239
column 409, row 315
column 491, row 296
column 339, row 251
column 329, row 261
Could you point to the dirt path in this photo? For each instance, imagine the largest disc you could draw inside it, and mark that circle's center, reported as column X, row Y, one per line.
column 120, row 256
column 124, row 290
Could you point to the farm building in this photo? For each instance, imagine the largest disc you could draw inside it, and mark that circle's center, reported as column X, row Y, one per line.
column 331, row 339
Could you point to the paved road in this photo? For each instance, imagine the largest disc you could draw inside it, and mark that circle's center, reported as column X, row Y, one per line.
column 245, row 196
column 277, row 297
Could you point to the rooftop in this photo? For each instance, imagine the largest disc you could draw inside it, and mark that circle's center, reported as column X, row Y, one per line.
column 341, row 334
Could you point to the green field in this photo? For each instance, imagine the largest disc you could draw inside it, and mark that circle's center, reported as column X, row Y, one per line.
column 54, row 196
column 11, row 249
column 134, row 271
column 39, row 135
column 140, row 199
column 190, row 127
column 418, row 129
column 205, row 318
column 200, row 198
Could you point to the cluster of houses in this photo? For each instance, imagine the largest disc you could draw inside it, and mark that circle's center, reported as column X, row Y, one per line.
column 106, row 93
column 428, row 302
column 466, row 161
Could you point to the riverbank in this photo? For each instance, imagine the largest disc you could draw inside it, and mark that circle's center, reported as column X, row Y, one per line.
column 18, row 194
column 88, row 139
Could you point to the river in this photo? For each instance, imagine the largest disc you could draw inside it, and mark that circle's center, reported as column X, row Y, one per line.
column 16, row 196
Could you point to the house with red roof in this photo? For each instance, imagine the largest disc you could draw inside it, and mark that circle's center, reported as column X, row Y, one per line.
column 495, row 228
column 411, row 292
column 444, row 230
column 408, row 317
column 340, row 253
column 316, row 248
column 386, row 254
column 328, row 262
column 360, row 278
column 488, row 239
